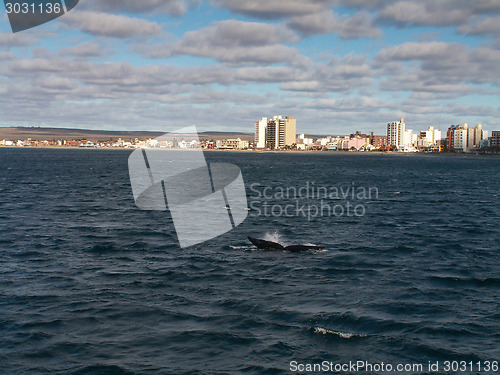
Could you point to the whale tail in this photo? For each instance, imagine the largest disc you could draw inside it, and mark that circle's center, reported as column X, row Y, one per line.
column 266, row 245
column 269, row 245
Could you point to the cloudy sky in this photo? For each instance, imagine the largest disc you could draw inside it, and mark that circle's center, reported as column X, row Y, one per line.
column 335, row 65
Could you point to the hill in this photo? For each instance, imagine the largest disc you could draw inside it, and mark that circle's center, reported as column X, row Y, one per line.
column 37, row 133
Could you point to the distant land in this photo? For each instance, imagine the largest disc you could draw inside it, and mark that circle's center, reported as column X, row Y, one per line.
column 47, row 134
column 42, row 134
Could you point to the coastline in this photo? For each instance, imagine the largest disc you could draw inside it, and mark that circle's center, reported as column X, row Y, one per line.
column 292, row 152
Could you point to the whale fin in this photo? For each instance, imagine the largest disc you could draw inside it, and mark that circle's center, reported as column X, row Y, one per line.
column 269, row 245
column 266, row 245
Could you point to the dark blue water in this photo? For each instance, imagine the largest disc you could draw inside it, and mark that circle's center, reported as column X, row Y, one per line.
column 89, row 284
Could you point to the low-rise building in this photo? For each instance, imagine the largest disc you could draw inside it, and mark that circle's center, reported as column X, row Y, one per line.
column 233, row 144
column 352, row 143
column 301, row 146
column 377, row 141
column 307, row 141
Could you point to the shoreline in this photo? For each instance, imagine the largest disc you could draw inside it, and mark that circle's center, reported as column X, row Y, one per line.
column 293, row 152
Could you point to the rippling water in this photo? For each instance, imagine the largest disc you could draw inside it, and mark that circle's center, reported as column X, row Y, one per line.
column 89, row 284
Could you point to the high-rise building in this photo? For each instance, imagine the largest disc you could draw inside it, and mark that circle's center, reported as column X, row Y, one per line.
column 450, row 137
column 396, row 133
column 495, row 139
column 430, row 137
column 260, row 133
column 409, row 139
column 479, row 135
column 290, row 131
column 274, row 133
column 281, row 132
column 462, row 138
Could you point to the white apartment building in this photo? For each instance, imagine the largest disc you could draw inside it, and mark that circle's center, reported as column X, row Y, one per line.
column 399, row 136
column 460, row 139
column 430, row 137
column 409, row 139
column 395, row 133
column 260, row 133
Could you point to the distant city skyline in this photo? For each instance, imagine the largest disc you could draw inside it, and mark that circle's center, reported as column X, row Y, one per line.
column 336, row 66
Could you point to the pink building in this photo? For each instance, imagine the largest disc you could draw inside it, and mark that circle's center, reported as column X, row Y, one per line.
column 356, row 143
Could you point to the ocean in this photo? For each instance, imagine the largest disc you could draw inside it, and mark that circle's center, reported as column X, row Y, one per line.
column 410, row 273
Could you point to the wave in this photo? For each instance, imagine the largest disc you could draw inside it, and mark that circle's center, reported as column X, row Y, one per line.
column 242, row 247
column 102, row 369
column 343, row 335
column 466, row 281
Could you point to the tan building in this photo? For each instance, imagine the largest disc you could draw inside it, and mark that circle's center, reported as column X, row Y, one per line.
column 290, row 131
column 281, row 132
column 233, row 144
column 463, row 138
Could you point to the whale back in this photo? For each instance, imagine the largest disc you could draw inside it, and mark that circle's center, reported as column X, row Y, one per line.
column 267, row 245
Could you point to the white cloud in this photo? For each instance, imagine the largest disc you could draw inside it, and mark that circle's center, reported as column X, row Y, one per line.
column 109, row 25
column 444, row 63
column 86, row 49
column 235, row 43
column 175, row 8
column 338, row 75
column 366, row 104
column 10, row 40
column 273, row 9
column 347, row 27
column 233, row 33
column 420, row 51
column 422, row 13
column 487, row 25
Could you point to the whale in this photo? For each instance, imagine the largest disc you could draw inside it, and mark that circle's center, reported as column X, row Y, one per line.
column 270, row 245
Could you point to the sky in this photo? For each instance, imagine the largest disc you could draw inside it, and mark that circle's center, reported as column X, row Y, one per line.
column 337, row 66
